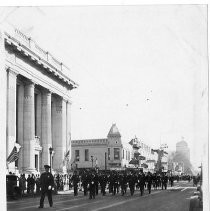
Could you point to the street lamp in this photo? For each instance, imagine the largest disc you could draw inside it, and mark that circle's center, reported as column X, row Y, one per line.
column 51, row 151
column 92, row 160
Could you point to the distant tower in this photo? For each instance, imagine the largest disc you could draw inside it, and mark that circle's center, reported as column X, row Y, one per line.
column 182, row 148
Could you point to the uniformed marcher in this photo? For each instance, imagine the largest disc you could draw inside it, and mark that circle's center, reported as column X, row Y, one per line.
column 103, row 182
column 131, row 181
column 115, row 183
column 149, row 181
column 84, row 181
column 75, row 181
column 46, row 183
column 164, row 181
column 123, row 183
column 141, row 182
column 91, row 185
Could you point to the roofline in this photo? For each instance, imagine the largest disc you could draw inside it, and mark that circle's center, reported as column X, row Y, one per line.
column 29, row 48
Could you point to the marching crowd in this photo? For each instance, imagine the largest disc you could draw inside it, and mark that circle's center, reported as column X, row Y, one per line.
column 112, row 182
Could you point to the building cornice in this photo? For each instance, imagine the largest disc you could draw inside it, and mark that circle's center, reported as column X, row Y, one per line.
column 27, row 47
column 36, row 80
column 89, row 142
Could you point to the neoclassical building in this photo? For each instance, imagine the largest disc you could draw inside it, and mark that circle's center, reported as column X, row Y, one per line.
column 107, row 153
column 38, row 103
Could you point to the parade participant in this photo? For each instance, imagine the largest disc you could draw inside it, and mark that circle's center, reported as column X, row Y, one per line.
column 111, row 182
column 84, row 182
column 171, row 179
column 37, row 181
column 32, row 186
column 75, row 181
column 28, row 184
column 164, row 181
column 131, row 182
column 115, row 183
column 103, row 182
column 91, row 185
column 141, row 182
column 158, row 181
column 123, row 183
column 155, row 182
column 22, row 184
column 96, row 183
column 46, row 183
column 149, row 181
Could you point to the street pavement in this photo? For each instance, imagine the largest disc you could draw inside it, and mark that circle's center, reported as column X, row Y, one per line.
column 173, row 199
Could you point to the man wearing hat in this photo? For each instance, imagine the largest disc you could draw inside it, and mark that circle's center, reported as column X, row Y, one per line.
column 46, row 182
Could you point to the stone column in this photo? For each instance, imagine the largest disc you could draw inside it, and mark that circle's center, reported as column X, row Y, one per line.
column 39, row 115
column 20, row 102
column 29, row 129
column 11, row 113
column 46, row 138
column 3, row 79
column 59, row 132
column 68, row 130
column 68, row 124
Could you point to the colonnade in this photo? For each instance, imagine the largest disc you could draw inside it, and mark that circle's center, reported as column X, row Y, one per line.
column 37, row 119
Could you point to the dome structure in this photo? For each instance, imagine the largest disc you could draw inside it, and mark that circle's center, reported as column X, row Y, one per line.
column 182, row 143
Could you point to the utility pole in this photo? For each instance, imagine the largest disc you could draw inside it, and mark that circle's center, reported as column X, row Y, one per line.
column 105, row 161
column 160, row 153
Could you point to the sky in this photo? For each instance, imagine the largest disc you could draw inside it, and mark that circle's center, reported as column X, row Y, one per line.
column 142, row 67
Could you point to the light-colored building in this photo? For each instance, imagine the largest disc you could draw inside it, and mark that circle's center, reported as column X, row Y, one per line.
column 182, row 148
column 150, row 157
column 143, row 156
column 38, row 103
column 106, row 153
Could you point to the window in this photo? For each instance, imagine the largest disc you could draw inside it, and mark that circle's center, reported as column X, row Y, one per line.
column 35, row 113
column 116, row 153
column 108, row 153
column 36, row 162
column 86, row 154
column 76, row 155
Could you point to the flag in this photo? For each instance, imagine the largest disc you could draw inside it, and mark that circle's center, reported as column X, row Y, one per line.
column 66, row 157
column 14, row 155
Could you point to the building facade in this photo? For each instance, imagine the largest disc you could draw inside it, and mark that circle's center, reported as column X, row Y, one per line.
column 108, row 153
column 38, row 104
column 143, row 156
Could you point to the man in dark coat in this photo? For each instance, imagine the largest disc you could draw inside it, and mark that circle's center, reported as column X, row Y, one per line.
column 84, row 181
column 91, row 185
column 141, row 182
column 164, row 181
column 132, row 181
column 123, row 183
column 46, row 183
column 75, row 181
column 149, row 181
column 103, row 182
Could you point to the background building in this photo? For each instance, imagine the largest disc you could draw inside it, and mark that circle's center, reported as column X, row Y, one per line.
column 107, row 153
column 182, row 148
column 143, row 156
column 179, row 161
column 38, row 105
